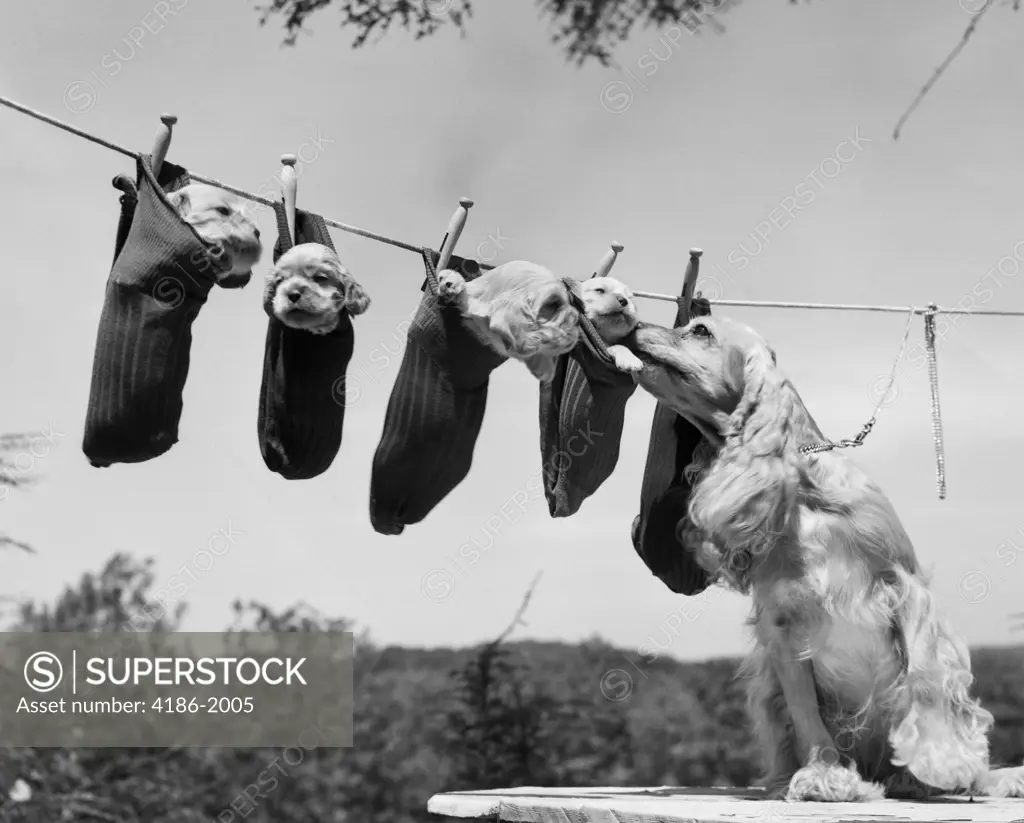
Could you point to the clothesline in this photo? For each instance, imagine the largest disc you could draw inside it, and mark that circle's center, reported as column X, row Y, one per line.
column 484, row 266
column 38, row 115
column 836, row 306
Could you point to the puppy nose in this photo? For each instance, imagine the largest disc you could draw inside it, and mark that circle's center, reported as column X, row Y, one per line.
column 294, row 295
column 257, row 233
column 623, row 301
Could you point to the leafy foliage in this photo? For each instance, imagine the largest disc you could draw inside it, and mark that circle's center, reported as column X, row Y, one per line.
column 511, row 714
column 368, row 17
column 587, row 30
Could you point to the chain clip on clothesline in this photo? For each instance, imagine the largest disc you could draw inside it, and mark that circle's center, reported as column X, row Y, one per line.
column 829, row 445
column 933, row 384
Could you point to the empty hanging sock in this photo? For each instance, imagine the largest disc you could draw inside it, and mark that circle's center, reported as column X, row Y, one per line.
column 160, row 279
column 302, row 396
column 582, row 412
column 435, row 411
column 661, row 542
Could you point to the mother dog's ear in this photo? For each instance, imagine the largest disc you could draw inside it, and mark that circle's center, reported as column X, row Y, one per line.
column 356, row 300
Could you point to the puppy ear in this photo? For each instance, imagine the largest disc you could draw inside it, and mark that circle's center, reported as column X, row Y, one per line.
column 357, row 301
column 542, row 366
column 274, row 278
column 180, row 201
column 501, row 328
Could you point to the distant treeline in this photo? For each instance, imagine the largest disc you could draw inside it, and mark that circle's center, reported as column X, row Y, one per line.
column 426, row 720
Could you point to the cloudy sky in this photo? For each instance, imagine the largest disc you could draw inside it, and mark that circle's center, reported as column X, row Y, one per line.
column 768, row 146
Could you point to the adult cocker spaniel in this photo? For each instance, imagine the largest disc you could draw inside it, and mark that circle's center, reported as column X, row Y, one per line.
column 857, row 686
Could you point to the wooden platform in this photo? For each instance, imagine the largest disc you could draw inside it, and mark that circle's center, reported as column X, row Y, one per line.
column 675, row 805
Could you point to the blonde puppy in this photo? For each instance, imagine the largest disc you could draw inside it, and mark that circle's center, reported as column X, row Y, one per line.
column 520, row 310
column 309, row 288
column 230, row 234
column 608, row 304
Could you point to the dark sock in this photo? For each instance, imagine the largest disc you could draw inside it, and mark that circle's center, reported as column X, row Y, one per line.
column 665, row 496
column 160, row 279
column 302, row 397
column 435, row 412
column 582, row 412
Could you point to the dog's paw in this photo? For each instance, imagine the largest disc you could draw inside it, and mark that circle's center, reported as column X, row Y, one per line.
column 450, row 286
column 1003, row 783
column 625, row 360
column 234, row 281
column 831, row 784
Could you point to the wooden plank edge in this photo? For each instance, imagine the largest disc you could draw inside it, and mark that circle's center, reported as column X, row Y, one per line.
column 575, row 805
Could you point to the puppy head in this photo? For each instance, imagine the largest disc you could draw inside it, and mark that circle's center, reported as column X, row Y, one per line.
column 702, row 370
column 608, row 304
column 309, row 288
column 528, row 310
column 220, row 220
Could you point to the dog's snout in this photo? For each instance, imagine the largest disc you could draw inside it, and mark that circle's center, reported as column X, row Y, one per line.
column 256, row 233
column 294, row 295
column 623, row 301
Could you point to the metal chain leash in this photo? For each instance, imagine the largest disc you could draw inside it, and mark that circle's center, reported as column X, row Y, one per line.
column 829, row 445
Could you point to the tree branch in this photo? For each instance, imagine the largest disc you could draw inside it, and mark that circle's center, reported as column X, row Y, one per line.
column 945, row 64
column 10, row 542
column 518, row 619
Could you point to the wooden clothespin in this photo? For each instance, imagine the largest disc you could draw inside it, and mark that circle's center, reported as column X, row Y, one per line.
column 451, row 237
column 608, row 260
column 289, row 190
column 162, row 142
column 689, row 283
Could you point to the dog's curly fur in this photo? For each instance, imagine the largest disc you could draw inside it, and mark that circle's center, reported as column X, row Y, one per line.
column 230, row 235
column 520, row 310
column 608, row 305
column 857, row 685
column 309, row 288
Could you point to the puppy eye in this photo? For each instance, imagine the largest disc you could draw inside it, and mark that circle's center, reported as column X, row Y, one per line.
column 599, row 290
column 224, row 211
column 700, row 330
column 321, row 279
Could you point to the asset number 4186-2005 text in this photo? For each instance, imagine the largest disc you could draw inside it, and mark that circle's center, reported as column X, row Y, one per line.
column 207, row 705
